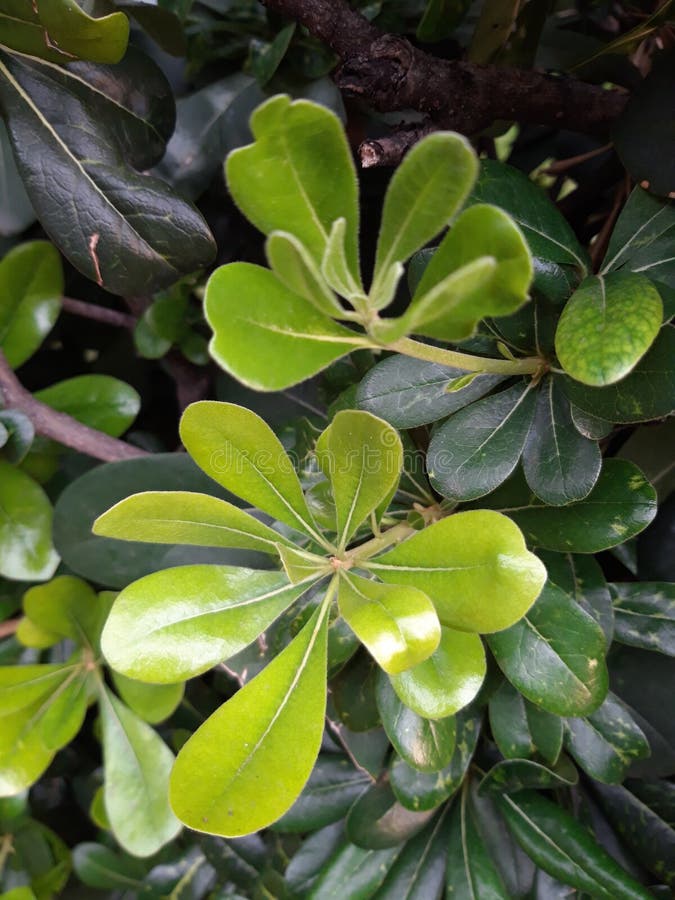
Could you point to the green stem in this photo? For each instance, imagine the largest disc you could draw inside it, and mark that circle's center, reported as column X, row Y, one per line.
column 392, row 536
column 468, row 363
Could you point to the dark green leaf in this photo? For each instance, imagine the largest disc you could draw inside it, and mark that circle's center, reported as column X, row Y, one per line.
column 560, row 465
column 582, row 578
column 99, row 867
column 312, row 858
column 471, row 873
column 479, row 447
column 512, row 775
column 377, row 820
column 440, row 19
column 16, row 211
column 520, row 729
column 363, row 870
column 644, row 615
column 555, row 655
column 19, row 433
column 127, row 244
column 160, row 23
column 353, row 693
column 417, row 873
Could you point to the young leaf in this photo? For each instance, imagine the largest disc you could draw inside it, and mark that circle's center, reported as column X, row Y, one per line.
column 448, row 680
column 607, row 326
column 606, row 742
column 31, row 283
column 426, row 191
column 644, row 615
column 66, row 606
column 137, row 766
column 66, row 713
column 478, row 448
column 183, row 517
column 335, row 265
column 452, row 314
column 621, row 505
column 560, row 465
column 474, row 567
column 239, row 450
column 26, row 551
column 555, row 655
column 243, row 768
column 152, row 702
column 471, row 873
column 178, row 623
column 23, row 686
column 291, row 262
column 23, row 755
column 398, row 625
column 362, row 456
column 302, row 566
column 298, row 176
column 424, row 744
column 99, row 401
column 565, row 849
column 122, row 247
column 267, row 336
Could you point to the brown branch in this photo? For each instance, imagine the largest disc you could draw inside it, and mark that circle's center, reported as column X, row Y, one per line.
column 98, row 313
column 59, row 426
column 390, row 150
column 390, row 74
column 8, row 627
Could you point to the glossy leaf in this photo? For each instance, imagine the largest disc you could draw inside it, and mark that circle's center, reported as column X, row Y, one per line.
column 425, row 193
column 137, row 766
column 99, row 401
column 644, row 615
column 186, row 518
column 471, row 873
column 178, row 623
column 18, row 433
column 560, row 464
column 362, row 456
column 239, row 450
column 31, row 283
column 267, row 336
column 646, row 393
column 115, row 245
column 279, row 182
column 521, row 729
column 242, row 769
column 582, row 578
column 555, row 655
column 479, row 447
column 565, row 849
column 407, row 392
column 23, row 755
column 377, row 820
column 398, row 625
column 512, row 775
column 313, row 858
column 291, row 262
column 452, row 313
column 607, row 326
column 426, row 745
column 22, row 686
column 67, row 606
column 152, row 702
column 606, row 742
column 26, row 551
column 363, row 870
column 621, row 505
column 474, row 567
column 417, row 873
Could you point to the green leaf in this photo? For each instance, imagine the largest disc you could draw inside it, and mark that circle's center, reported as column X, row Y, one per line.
column 331, row 789
column 565, row 849
column 621, row 505
column 474, row 567
column 26, row 551
column 66, row 713
column 418, row 871
column 448, row 680
column 243, row 768
column 152, row 702
column 178, row 623
column 279, row 182
column 590, row 426
column 425, row 193
column 31, row 283
column 448, row 307
column 606, row 742
column 267, row 336
column 16, row 212
column 555, row 655
column 398, row 625
column 362, row 456
column 377, row 820
column 20, row 433
column 607, row 326
column 236, row 448
column 644, row 615
column 60, row 30
column 20, row 893
column 548, row 233
column 646, row 394
column 560, row 464
column 642, row 239
column 23, row 755
column 440, row 19
column 31, row 635
column 313, row 858
column 426, row 745
column 521, row 729
column 291, row 262
column 301, row 566
column 67, row 606
column 582, row 578
column 100, row 867
column 478, row 448
column 471, row 873
column 124, row 248
column 23, row 686
column 137, row 766
column 183, row 517
column 363, row 870
column 512, row 775
column 99, row 401
column 335, row 265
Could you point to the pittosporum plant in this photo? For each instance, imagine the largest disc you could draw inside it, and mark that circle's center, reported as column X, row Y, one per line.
column 418, row 597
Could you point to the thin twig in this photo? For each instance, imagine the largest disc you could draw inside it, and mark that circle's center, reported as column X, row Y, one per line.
column 59, row 426
column 8, row 627
column 98, row 313
column 390, row 150
column 599, row 245
column 563, row 165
